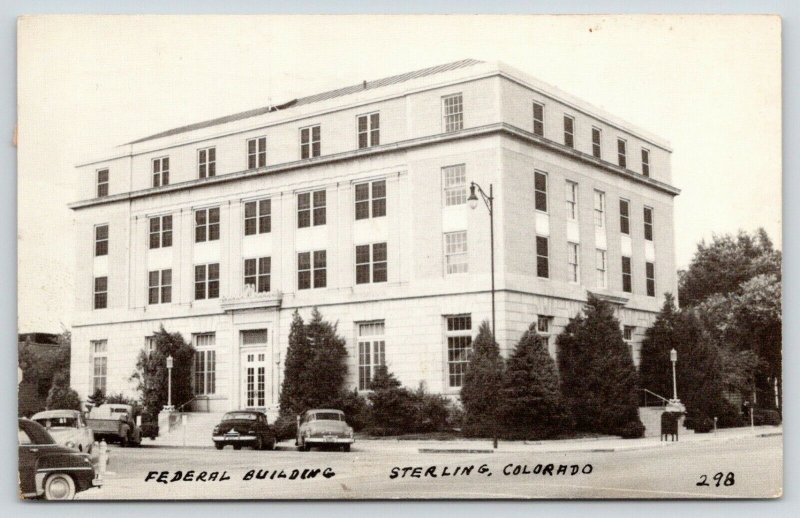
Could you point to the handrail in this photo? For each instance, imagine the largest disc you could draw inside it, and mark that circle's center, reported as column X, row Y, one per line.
column 178, row 409
column 646, row 391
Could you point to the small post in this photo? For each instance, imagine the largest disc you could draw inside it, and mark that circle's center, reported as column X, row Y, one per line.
column 715, row 424
column 184, row 419
column 169, row 381
column 102, row 459
column 752, row 422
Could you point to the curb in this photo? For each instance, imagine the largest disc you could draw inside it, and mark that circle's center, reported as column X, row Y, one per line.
column 443, row 450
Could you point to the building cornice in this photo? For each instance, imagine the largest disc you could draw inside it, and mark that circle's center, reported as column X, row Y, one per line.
column 489, row 129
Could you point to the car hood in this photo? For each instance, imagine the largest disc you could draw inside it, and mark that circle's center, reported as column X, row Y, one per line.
column 327, row 426
column 241, row 425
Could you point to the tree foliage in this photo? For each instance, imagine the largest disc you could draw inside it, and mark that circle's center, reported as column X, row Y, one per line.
column 598, row 378
column 480, row 392
column 40, row 364
column 61, row 396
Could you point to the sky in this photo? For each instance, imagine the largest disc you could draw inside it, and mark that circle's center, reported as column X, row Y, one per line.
column 710, row 85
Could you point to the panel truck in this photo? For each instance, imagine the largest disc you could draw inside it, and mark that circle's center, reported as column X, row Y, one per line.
column 115, row 422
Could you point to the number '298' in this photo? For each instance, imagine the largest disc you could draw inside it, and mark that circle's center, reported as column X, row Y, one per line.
column 720, row 479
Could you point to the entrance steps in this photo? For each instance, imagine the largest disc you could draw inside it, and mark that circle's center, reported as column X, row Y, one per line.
column 196, row 432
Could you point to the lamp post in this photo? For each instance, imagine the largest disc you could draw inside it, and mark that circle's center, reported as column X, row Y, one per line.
column 169, row 381
column 673, row 357
column 473, row 203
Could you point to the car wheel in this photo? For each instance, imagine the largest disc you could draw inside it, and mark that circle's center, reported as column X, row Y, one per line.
column 59, row 486
column 123, row 441
column 219, row 445
column 237, row 446
column 346, row 448
column 259, row 443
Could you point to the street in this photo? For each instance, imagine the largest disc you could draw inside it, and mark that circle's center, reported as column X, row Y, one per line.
column 748, row 467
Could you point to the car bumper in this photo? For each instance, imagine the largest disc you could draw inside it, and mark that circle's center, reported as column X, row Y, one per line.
column 329, row 440
column 234, row 439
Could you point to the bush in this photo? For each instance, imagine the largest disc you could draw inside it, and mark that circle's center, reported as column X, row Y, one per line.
column 431, row 411
column 480, row 393
column 355, row 408
column 702, row 424
column 766, row 417
column 285, row 427
column 632, row 430
column 393, row 409
column 61, row 396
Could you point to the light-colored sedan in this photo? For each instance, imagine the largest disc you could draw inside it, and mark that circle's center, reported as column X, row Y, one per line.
column 324, row 428
column 67, row 427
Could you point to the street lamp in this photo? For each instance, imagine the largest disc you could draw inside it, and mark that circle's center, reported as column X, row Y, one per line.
column 169, row 381
column 673, row 357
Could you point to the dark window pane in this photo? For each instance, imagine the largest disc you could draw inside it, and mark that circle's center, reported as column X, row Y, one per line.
column 362, row 274
column 304, row 201
column 319, row 216
column 304, row 280
column 320, row 278
column 379, row 272
column 542, row 269
column 379, row 252
column 379, row 189
column 541, row 246
column 213, row 289
column 362, row 140
column 263, row 284
column 624, row 225
column 249, row 267
column 200, row 273
column 315, row 149
column 304, row 261
column 152, row 296
column 153, row 278
column 166, row 238
column 362, row 254
column 166, row 277
column 362, row 191
column 166, row 294
column 379, row 208
column 362, row 123
column 541, row 201
column 320, row 259
column 304, row 136
column 155, row 242
column 264, row 265
column 362, row 209
column 250, row 209
column 249, row 227
column 213, row 271
column 375, row 120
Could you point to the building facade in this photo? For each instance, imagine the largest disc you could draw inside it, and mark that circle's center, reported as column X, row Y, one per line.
column 354, row 201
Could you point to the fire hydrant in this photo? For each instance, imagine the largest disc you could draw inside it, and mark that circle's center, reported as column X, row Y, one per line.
column 102, row 458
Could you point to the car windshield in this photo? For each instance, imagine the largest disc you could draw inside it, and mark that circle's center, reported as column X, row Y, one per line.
column 326, row 416
column 239, row 416
column 58, row 422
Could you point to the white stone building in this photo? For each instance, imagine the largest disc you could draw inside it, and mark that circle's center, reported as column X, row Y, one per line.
column 354, row 201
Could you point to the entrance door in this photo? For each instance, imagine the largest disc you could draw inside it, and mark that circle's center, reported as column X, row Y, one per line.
column 254, row 379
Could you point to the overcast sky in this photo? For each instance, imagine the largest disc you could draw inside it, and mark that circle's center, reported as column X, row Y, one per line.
column 709, row 85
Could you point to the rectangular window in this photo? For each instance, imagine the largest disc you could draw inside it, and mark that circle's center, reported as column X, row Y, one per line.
column 452, row 112
column 626, row 275
column 102, row 183
column 310, row 142
column 627, row 333
column 455, row 252
column 149, row 344
column 371, row 351
column 100, row 240
column 206, row 225
column 369, row 130
column 257, row 274
column 99, row 352
column 205, row 364
column 645, row 162
column 601, row 268
column 572, row 200
column 308, row 214
column 648, row 223
column 100, row 292
column 459, row 348
column 308, row 271
column 572, row 259
column 454, row 179
column 161, row 231
column 538, row 119
column 596, row 142
column 371, row 198
column 540, row 186
column 542, row 255
column 599, row 209
column 206, row 281
column 256, row 152
column 650, row 271
column 159, row 287
column 543, row 328
column 160, row 171
column 254, row 337
column 257, row 217
column 569, row 131
column 622, row 153
column 624, row 217
column 371, row 267
column 207, row 162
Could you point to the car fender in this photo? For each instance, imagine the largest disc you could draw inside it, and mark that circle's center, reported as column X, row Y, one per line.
column 73, row 464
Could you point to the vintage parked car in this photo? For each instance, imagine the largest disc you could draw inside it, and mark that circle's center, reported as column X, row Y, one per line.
column 49, row 470
column 244, row 428
column 68, row 428
column 324, row 428
column 115, row 422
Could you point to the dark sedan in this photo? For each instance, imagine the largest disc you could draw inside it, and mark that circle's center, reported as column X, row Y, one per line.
column 244, row 428
column 49, row 470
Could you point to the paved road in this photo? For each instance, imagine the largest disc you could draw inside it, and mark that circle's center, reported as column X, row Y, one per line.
column 674, row 472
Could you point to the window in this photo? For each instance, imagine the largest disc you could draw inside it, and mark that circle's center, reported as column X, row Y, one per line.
column 305, row 269
column 454, row 179
column 371, row 351
column 373, row 270
column 160, row 171
column 306, row 214
column 543, row 329
column 648, row 223
column 599, row 209
column 540, row 186
column 206, row 225
column 371, row 195
column 624, row 217
column 100, row 292
column 369, row 130
column 645, row 162
column 459, row 348
column 572, row 260
column 538, row 119
column 596, row 142
column 159, row 287
column 205, row 364
column 207, row 162
column 149, row 344
column 601, row 268
column 100, row 240
column 257, row 274
column 256, row 152
column 257, row 217
column 206, row 281
column 622, row 153
column 627, row 333
column 99, row 352
column 455, row 252
column 102, row 183
column 572, row 200
column 650, row 272
column 569, row 131
column 542, row 265
column 161, row 231
column 254, row 337
column 453, row 112
column 626, row 275
column 310, row 142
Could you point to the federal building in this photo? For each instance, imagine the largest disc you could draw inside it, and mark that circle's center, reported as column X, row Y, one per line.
column 354, row 201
